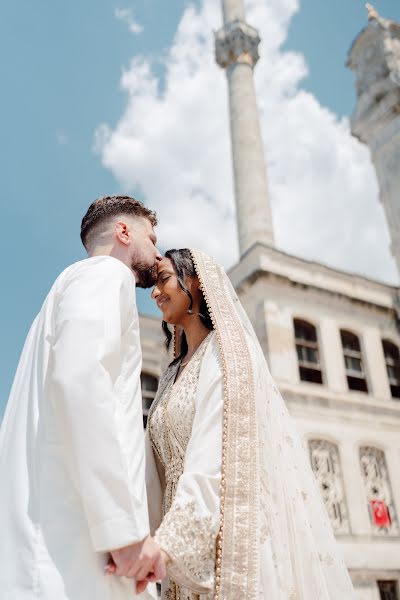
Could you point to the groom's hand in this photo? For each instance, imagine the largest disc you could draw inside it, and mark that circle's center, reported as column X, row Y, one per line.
column 137, row 560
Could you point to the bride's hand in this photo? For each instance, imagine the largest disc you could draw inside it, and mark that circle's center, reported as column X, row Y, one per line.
column 151, row 577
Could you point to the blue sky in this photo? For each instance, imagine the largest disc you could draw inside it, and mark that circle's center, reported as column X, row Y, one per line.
column 61, row 71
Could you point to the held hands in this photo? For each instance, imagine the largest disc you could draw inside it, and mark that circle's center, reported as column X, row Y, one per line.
column 143, row 561
column 141, row 584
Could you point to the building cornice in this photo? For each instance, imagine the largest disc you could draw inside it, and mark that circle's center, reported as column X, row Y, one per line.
column 354, row 406
column 265, row 261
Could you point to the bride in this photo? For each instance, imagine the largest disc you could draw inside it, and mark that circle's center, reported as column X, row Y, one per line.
column 233, row 502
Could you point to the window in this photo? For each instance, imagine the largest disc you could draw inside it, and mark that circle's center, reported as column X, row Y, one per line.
column 307, row 351
column 392, row 359
column 353, row 362
column 388, row 590
column 378, row 491
column 325, row 464
column 149, row 389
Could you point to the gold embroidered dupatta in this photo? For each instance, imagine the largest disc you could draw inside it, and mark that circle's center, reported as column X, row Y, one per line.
column 275, row 540
column 236, row 573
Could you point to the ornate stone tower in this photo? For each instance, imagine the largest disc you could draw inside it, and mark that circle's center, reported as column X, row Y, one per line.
column 237, row 52
column 375, row 59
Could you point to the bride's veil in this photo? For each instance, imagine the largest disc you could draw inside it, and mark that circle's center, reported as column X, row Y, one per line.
column 275, row 539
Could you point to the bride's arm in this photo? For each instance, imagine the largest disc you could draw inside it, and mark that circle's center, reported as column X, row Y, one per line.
column 188, row 531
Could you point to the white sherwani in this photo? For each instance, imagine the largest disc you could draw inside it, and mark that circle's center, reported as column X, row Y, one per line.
column 71, row 442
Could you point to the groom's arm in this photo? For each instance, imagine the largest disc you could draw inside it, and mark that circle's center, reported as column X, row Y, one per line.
column 94, row 309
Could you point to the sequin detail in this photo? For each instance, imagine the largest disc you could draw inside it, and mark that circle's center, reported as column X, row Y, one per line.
column 187, row 537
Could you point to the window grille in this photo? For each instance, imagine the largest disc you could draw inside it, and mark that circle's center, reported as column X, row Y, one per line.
column 392, row 359
column 353, row 361
column 307, row 351
column 388, row 590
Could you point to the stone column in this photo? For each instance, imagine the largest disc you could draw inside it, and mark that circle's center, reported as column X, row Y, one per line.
column 233, row 10
column 377, row 377
column 237, row 52
column 281, row 343
column 332, row 352
column 353, row 484
column 386, row 158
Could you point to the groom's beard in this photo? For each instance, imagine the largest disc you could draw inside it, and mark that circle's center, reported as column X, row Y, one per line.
column 145, row 276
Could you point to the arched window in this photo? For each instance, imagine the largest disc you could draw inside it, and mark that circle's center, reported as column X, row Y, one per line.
column 378, row 491
column 392, row 359
column 353, row 361
column 325, row 464
column 307, row 351
column 149, row 389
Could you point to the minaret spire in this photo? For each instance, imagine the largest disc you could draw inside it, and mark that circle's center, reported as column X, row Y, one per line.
column 236, row 46
column 375, row 59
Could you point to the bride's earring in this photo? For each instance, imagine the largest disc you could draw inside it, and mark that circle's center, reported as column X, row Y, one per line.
column 189, row 311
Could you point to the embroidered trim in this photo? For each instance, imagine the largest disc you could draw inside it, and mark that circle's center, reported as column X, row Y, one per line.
column 236, row 573
column 170, row 428
column 189, row 539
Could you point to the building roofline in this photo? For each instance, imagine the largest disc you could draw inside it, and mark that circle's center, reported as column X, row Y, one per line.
column 312, row 262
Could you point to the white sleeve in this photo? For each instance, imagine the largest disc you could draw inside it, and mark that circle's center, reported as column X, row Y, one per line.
column 95, row 307
column 189, row 530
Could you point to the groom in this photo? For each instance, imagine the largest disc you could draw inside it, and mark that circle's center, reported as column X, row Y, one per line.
column 73, row 495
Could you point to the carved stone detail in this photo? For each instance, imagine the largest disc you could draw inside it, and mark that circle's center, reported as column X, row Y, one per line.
column 325, row 464
column 236, row 42
column 375, row 54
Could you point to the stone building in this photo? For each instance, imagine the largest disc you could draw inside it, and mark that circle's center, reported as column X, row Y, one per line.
column 331, row 338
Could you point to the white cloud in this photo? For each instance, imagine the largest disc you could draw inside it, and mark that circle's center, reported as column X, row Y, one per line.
column 173, row 144
column 126, row 15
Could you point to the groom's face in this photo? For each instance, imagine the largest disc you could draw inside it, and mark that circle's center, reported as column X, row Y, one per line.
column 144, row 255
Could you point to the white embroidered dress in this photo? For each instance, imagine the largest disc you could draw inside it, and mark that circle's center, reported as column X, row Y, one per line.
column 232, row 498
column 190, row 503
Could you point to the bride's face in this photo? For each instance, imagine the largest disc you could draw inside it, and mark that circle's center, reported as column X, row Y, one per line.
column 169, row 296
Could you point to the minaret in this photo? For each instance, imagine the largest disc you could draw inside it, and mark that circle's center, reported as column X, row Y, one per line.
column 375, row 59
column 236, row 46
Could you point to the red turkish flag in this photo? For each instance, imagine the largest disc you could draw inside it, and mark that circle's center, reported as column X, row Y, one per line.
column 380, row 513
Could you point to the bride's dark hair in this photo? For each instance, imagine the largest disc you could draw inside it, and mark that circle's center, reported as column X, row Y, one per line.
column 184, row 267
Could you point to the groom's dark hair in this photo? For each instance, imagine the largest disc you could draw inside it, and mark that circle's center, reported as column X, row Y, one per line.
column 106, row 207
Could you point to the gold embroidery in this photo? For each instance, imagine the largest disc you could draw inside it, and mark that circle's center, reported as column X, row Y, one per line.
column 236, row 574
column 264, row 526
column 237, row 555
column 170, row 428
column 170, row 423
column 190, row 540
column 327, row 559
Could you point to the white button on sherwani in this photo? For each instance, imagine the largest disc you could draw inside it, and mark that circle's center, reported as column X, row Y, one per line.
column 71, row 443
